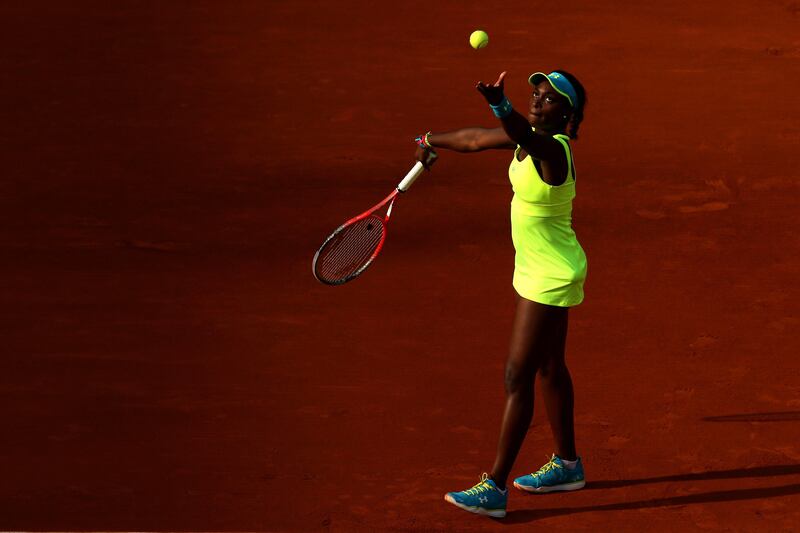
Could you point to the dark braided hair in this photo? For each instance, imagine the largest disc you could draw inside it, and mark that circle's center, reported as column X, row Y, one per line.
column 577, row 112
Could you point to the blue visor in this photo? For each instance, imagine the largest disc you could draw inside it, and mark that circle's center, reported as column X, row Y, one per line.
column 559, row 83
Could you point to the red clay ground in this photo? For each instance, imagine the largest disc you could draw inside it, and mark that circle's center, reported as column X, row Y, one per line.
column 169, row 362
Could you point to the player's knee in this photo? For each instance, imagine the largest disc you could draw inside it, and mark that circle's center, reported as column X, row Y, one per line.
column 553, row 369
column 518, row 379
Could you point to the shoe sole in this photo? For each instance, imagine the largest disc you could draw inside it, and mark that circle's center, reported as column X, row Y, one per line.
column 494, row 513
column 555, row 488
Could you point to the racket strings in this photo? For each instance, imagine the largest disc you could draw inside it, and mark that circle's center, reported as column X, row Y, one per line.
column 350, row 250
column 347, row 254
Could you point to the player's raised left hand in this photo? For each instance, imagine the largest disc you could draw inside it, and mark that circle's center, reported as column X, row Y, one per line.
column 493, row 93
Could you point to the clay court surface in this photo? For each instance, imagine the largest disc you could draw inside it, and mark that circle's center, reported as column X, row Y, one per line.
column 170, row 363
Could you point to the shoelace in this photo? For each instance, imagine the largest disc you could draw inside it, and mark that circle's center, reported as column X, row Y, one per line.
column 483, row 486
column 551, row 464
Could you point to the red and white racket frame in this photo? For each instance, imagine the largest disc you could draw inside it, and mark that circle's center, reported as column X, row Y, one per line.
column 402, row 187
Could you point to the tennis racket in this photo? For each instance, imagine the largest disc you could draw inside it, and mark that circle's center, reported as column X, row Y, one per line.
column 349, row 250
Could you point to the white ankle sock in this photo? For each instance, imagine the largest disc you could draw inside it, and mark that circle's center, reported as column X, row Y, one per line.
column 569, row 465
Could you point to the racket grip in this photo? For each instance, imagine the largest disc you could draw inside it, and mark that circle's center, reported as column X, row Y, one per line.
column 412, row 175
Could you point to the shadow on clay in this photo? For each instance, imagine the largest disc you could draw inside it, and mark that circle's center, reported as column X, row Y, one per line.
column 781, row 416
column 527, row 515
column 757, row 471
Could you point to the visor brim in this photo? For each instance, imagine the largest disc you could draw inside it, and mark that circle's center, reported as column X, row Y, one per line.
column 538, row 77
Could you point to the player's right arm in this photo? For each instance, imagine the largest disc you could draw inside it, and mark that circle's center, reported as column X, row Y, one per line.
column 465, row 140
column 472, row 140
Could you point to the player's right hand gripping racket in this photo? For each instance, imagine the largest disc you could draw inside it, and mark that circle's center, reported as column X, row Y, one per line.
column 349, row 250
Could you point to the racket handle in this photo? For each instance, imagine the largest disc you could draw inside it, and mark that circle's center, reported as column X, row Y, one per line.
column 412, row 175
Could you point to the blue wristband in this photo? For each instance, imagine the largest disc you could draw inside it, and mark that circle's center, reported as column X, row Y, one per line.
column 503, row 109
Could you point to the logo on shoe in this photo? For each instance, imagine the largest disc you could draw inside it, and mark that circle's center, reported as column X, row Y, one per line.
column 483, row 499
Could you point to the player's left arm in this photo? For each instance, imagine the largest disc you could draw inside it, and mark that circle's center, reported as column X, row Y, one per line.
column 516, row 126
column 541, row 147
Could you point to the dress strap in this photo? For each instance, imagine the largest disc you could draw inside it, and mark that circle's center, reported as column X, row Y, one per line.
column 564, row 140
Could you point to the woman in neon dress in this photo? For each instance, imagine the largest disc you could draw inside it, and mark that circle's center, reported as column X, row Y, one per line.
column 549, row 272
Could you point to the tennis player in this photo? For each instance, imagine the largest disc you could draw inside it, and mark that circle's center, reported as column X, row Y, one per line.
column 549, row 272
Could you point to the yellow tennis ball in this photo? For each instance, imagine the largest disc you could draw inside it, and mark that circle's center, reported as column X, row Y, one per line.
column 478, row 39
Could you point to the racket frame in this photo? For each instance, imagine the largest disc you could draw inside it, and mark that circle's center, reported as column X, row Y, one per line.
column 402, row 187
column 391, row 198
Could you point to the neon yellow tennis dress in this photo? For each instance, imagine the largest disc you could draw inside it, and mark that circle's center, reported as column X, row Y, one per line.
column 549, row 265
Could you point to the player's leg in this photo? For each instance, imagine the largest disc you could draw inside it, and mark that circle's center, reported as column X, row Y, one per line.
column 537, row 342
column 555, row 385
column 564, row 471
column 531, row 340
column 535, row 336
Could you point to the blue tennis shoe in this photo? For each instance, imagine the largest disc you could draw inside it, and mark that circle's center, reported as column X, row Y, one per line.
column 484, row 498
column 552, row 477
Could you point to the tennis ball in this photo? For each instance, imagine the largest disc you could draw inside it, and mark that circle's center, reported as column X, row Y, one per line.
column 478, row 39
